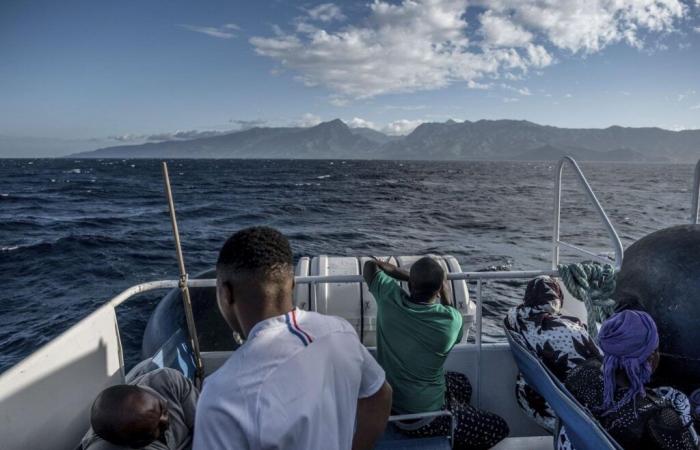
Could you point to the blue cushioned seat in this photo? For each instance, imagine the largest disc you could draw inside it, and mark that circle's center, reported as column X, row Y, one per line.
column 582, row 429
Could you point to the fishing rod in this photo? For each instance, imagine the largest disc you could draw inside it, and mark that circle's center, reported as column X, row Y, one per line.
column 186, row 299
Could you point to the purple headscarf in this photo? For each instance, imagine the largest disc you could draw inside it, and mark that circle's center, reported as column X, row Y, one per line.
column 627, row 339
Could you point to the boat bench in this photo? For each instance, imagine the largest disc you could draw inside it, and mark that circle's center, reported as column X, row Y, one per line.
column 393, row 439
column 582, row 429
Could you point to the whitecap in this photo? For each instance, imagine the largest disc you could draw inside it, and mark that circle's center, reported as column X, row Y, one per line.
column 9, row 248
column 73, row 171
column 2, row 194
column 323, row 177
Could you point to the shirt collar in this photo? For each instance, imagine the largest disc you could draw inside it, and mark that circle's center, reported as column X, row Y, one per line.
column 270, row 322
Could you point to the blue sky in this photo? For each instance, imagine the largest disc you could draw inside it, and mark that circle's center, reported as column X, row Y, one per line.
column 77, row 75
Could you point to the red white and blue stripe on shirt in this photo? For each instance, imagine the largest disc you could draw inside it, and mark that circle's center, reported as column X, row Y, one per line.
column 291, row 319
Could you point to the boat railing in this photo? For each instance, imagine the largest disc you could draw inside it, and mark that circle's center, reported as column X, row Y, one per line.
column 557, row 243
column 695, row 203
column 480, row 278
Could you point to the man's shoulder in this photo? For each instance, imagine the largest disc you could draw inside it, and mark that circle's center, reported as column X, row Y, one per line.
column 322, row 324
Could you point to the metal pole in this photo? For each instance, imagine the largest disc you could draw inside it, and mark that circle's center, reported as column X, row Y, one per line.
column 186, row 300
column 556, row 242
column 695, row 207
column 557, row 215
column 479, row 325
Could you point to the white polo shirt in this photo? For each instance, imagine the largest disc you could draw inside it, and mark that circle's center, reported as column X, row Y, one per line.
column 294, row 384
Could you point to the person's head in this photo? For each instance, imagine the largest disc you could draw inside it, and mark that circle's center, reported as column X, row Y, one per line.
column 425, row 279
column 544, row 292
column 630, row 343
column 129, row 416
column 254, row 273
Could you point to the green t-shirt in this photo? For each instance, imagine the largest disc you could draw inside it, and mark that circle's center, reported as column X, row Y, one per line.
column 413, row 341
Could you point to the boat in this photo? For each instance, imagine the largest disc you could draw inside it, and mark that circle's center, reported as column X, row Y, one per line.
column 45, row 399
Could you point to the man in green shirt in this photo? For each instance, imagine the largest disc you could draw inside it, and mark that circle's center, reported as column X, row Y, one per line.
column 415, row 333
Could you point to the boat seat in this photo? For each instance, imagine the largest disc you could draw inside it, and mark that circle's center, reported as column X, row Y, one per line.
column 582, row 429
column 393, row 439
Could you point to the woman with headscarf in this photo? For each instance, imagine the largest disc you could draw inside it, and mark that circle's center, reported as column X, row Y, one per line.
column 615, row 390
column 561, row 342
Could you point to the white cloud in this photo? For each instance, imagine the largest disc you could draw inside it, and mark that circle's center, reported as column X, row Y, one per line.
column 695, row 106
column 337, row 100
column 501, row 32
column 415, row 45
column 510, row 100
column 226, row 31
column 179, row 135
column 471, row 84
column 358, row 122
column 683, row 95
column 326, row 12
column 245, row 124
column 401, row 127
column 308, row 120
column 696, row 29
column 590, row 25
column 568, row 95
column 522, row 91
column 405, row 107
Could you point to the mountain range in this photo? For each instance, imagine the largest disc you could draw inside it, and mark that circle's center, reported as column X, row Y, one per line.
column 451, row 140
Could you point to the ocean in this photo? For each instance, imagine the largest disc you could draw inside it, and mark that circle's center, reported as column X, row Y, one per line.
column 74, row 233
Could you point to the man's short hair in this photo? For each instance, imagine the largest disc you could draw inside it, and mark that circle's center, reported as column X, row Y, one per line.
column 111, row 410
column 426, row 277
column 255, row 251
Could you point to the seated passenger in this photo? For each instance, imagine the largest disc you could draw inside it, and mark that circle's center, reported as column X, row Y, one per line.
column 615, row 390
column 300, row 380
column 154, row 412
column 415, row 334
column 560, row 342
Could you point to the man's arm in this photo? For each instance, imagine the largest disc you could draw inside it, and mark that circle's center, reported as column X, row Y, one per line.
column 372, row 415
column 386, row 267
column 445, row 298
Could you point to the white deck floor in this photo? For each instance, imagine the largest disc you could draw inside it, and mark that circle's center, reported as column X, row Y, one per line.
column 526, row 443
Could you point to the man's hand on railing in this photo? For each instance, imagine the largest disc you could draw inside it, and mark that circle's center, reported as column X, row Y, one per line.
column 391, row 270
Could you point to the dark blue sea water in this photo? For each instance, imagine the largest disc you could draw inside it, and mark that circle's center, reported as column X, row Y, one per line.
column 74, row 233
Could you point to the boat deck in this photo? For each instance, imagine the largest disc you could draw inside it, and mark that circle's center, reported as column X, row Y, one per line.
column 526, row 443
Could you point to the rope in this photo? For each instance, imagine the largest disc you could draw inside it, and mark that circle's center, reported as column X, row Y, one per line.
column 593, row 284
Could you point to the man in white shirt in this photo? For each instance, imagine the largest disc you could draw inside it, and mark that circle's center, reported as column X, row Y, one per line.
column 301, row 380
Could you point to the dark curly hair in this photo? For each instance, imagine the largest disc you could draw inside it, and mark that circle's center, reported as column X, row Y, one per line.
column 113, row 412
column 255, row 251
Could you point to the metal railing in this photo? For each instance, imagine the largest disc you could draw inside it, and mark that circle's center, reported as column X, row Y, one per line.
column 695, row 203
column 481, row 278
column 557, row 242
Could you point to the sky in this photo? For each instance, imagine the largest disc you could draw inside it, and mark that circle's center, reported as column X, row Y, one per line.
column 79, row 75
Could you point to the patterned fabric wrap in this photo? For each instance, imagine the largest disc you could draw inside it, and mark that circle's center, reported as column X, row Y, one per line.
column 543, row 291
column 695, row 402
column 628, row 339
column 682, row 405
column 560, row 342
